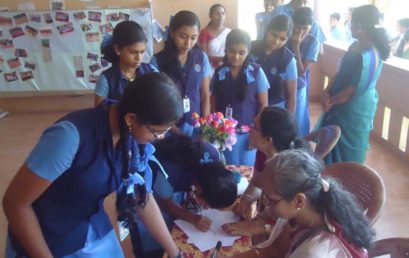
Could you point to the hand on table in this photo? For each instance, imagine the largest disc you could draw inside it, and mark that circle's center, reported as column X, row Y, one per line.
column 243, row 228
column 202, row 222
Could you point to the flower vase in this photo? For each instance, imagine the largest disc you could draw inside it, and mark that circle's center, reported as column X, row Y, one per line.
column 222, row 157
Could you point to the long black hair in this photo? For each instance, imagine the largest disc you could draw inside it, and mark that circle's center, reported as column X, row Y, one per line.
column 368, row 17
column 219, row 188
column 125, row 33
column 238, row 36
column 171, row 64
column 154, row 99
column 297, row 171
column 279, row 124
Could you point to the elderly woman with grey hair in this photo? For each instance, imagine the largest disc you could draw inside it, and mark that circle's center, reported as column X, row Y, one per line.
column 317, row 217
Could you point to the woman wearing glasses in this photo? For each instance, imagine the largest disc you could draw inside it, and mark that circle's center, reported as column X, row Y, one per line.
column 78, row 161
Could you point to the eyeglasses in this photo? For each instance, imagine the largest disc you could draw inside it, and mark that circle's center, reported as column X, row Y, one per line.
column 254, row 127
column 268, row 201
column 158, row 134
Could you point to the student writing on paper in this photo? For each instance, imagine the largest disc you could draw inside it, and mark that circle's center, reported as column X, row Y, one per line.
column 196, row 180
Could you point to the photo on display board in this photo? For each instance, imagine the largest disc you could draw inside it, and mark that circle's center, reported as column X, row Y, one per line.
column 123, row 16
column 10, row 77
column 93, row 78
column 106, row 28
column 86, row 27
column 92, row 56
column 16, row 32
column 30, row 31
column 112, row 17
column 6, row 43
column 6, row 21
column 20, row 52
column 62, row 17
column 20, row 18
column 94, row 16
column 1, row 33
column 48, row 19
column 65, row 28
column 29, row 65
column 13, row 62
column 95, row 67
column 27, row 75
column 79, row 15
column 78, row 66
column 46, row 32
column 57, row 5
column 104, row 62
column 35, row 17
column 92, row 36
column 46, row 51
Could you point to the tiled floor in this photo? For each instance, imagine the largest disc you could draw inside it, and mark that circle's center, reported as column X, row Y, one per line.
column 20, row 131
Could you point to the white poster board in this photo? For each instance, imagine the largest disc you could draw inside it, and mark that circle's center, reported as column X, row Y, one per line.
column 59, row 50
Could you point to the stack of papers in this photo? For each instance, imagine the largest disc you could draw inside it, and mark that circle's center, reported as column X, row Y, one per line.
column 207, row 240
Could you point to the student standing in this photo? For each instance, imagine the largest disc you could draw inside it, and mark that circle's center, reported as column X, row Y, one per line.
column 188, row 66
column 240, row 90
column 124, row 50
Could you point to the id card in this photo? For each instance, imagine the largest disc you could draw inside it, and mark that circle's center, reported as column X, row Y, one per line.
column 123, row 231
column 229, row 111
column 186, row 105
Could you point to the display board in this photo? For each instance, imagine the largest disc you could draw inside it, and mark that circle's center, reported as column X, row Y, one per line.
column 59, row 50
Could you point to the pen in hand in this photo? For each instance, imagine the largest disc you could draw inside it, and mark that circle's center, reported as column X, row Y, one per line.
column 217, row 249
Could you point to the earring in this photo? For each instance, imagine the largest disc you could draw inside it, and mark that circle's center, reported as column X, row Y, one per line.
column 130, row 141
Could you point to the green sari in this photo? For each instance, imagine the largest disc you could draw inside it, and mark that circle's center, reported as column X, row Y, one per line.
column 360, row 69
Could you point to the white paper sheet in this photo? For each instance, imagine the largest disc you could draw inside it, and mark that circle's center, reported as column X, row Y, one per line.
column 242, row 186
column 207, row 240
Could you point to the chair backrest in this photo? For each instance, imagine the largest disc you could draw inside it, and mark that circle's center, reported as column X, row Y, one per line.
column 325, row 139
column 395, row 247
column 362, row 181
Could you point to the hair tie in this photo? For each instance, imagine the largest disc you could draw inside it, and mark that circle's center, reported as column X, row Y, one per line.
column 292, row 145
column 106, row 40
column 325, row 185
column 206, row 158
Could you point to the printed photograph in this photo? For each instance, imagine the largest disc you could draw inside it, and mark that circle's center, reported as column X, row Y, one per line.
column 46, row 32
column 79, row 15
column 92, row 56
column 47, row 17
column 46, row 51
column 62, row 17
column 104, row 62
column 94, row 67
column 10, row 77
column 35, row 17
column 106, row 28
column 86, row 27
column 112, row 17
column 16, row 32
column 29, row 65
column 57, row 6
column 1, row 33
column 5, row 21
column 65, row 28
column 27, row 75
column 20, row 18
column 30, row 31
column 123, row 16
column 20, row 52
column 94, row 16
column 79, row 67
column 13, row 62
column 93, row 78
column 6, row 43
column 92, row 36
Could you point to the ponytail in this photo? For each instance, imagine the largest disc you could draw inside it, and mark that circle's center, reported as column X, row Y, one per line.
column 380, row 39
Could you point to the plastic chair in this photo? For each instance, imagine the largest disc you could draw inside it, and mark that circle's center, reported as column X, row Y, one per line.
column 325, row 138
column 364, row 182
column 395, row 247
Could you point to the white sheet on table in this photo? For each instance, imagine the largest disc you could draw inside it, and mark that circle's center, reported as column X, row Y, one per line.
column 207, row 240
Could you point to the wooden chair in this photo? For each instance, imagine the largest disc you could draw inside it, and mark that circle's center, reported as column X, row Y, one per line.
column 395, row 247
column 325, row 139
column 364, row 182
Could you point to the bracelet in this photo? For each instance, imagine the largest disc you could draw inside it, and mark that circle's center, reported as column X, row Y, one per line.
column 257, row 252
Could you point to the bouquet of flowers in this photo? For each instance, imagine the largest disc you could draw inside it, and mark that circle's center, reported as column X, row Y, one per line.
column 218, row 130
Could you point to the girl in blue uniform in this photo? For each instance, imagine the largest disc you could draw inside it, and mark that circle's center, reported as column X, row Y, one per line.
column 351, row 99
column 306, row 49
column 196, row 179
column 240, row 90
column 278, row 63
column 78, row 161
column 125, row 50
column 188, row 66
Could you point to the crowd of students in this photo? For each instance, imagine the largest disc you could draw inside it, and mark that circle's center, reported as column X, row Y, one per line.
column 264, row 84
